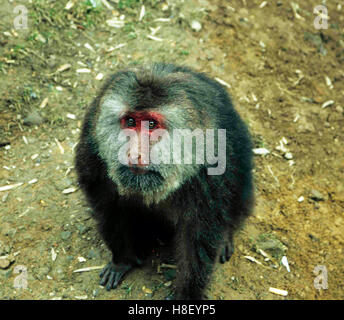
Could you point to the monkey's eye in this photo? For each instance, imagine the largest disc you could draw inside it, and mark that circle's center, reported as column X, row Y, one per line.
column 131, row 122
column 152, row 124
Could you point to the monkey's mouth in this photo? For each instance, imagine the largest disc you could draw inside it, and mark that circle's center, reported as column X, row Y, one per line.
column 142, row 179
column 138, row 170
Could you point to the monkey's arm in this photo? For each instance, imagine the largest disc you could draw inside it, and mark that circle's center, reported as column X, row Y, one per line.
column 112, row 219
column 117, row 232
column 198, row 243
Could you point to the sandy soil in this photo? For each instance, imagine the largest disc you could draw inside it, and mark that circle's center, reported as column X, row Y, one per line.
column 282, row 72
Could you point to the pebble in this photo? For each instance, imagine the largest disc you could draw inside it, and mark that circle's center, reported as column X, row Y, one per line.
column 288, row 156
column 65, row 235
column 4, row 197
column 82, row 229
column 6, row 230
column 33, row 118
column 4, row 249
column 4, row 263
column 93, row 254
column 95, row 292
column 261, row 151
column 42, row 273
column 305, row 126
column 63, row 184
column 316, row 196
column 301, row 199
column 196, row 26
column 148, row 292
column 340, row 109
column 58, row 273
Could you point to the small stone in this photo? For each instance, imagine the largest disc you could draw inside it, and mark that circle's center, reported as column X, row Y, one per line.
column 4, row 249
column 196, row 26
column 33, row 118
column 82, row 229
column 4, row 197
column 261, row 151
column 95, row 292
column 4, row 263
column 305, row 126
column 65, row 235
column 7, row 230
column 69, row 190
column 301, row 199
column 58, row 273
column 62, row 184
column 316, row 196
column 69, row 258
column 42, row 272
column 46, row 227
column 100, row 76
column 313, row 238
column 93, row 254
column 327, row 103
column 271, row 245
column 148, row 292
column 288, row 156
column 340, row 109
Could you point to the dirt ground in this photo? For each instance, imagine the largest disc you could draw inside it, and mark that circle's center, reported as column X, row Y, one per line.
column 287, row 81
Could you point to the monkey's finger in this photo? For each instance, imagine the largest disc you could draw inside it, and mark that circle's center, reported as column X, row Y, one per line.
column 229, row 251
column 118, row 278
column 111, row 280
column 105, row 277
column 106, row 268
column 226, row 253
column 223, row 255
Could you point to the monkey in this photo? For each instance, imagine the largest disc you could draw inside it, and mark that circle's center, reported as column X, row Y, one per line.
column 195, row 207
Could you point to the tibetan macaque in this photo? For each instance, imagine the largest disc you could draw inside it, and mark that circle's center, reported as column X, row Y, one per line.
column 192, row 195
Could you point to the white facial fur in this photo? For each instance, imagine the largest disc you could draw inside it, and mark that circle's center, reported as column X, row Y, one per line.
column 108, row 130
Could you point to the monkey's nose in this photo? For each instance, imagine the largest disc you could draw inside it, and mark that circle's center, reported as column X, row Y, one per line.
column 139, row 167
column 137, row 161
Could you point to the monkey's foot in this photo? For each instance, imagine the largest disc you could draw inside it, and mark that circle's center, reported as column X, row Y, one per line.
column 112, row 274
column 226, row 252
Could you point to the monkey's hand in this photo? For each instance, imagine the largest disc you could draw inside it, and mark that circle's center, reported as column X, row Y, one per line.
column 112, row 274
column 226, row 252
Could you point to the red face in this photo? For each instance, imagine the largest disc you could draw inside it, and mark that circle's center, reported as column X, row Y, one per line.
column 133, row 121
